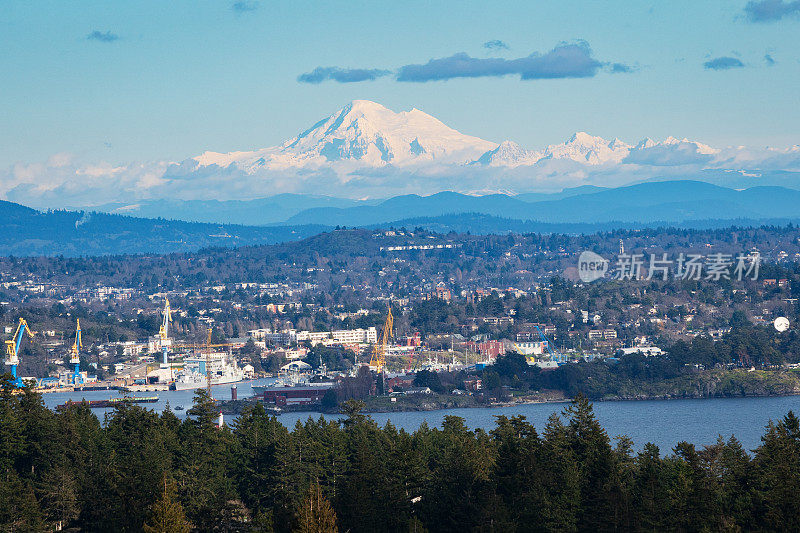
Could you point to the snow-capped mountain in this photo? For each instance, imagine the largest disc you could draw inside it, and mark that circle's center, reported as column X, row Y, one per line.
column 588, row 149
column 670, row 152
column 365, row 150
column 594, row 151
column 509, row 154
column 363, row 133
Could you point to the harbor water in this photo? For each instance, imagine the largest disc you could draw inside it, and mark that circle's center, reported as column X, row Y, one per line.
column 662, row 422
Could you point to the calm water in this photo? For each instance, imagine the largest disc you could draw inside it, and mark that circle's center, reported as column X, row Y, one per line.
column 175, row 399
column 663, row 422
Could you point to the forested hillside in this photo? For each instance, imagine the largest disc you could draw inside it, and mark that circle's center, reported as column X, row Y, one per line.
column 27, row 232
column 140, row 470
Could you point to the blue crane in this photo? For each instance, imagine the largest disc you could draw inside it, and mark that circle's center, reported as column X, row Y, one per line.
column 12, row 349
column 554, row 355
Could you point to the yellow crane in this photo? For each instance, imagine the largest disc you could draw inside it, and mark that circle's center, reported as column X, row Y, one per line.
column 163, row 331
column 206, row 348
column 12, row 349
column 378, row 359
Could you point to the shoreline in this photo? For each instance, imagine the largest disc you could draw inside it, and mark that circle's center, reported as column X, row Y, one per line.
column 431, row 407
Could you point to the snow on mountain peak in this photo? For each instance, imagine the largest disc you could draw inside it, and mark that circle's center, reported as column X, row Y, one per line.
column 588, row 149
column 647, row 142
column 363, row 133
column 366, row 134
column 584, row 139
column 508, row 154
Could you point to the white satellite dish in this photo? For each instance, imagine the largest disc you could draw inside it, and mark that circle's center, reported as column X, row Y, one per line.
column 781, row 323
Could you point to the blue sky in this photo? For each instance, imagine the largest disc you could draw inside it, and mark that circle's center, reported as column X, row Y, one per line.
column 149, row 80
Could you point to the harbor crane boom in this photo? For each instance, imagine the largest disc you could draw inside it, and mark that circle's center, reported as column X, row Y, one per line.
column 208, row 366
column 12, row 349
column 75, row 355
column 163, row 332
column 378, row 359
column 554, row 355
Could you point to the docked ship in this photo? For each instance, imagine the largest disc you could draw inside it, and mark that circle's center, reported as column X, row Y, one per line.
column 222, row 369
column 109, row 402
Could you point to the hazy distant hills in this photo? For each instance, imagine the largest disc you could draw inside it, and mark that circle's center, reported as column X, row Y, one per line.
column 27, row 232
column 668, row 201
column 271, row 210
column 662, row 201
column 478, row 224
column 690, row 204
column 294, row 208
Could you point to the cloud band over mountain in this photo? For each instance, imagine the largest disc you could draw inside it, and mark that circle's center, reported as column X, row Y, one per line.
column 341, row 75
column 103, row 36
column 771, row 10
column 567, row 60
column 367, row 150
column 723, row 63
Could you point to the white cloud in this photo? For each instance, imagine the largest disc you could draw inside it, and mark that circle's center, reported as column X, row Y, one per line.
column 443, row 159
column 60, row 182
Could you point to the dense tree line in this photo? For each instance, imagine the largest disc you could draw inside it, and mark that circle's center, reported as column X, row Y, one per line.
column 338, row 260
column 745, row 346
column 138, row 470
column 81, row 233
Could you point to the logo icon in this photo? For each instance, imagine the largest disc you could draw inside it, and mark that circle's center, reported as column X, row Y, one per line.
column 591, row 266
column 781, row 324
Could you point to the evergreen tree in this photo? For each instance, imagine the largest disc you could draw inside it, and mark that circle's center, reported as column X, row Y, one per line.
column 167, row 515
column 650, row 498
column 203, row 464
column 12, row 439
column 459, row 493
column 362, row 498
column 315, row 514
column 698, row 499
column 739, row 493
column 561, row 478
column 141, row 470
column 777, row 464
column 592, row 448
column 19, row 508
column 518, row 471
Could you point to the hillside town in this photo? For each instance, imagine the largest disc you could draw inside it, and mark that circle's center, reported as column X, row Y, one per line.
column 90, row 334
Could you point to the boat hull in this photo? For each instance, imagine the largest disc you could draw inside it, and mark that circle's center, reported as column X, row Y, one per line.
column 201, row 383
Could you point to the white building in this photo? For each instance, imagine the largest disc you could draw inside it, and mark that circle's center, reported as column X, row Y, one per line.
column 298, row 353
column 647, row 351
column 355, row 336
column 342, row 336
column 259, row 334
column 530, row 348
column 132, row 348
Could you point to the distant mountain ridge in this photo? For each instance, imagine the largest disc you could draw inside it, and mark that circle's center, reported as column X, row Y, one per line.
column 688, row 204
column 644, row 202
column 667, row 201
column 258, row 212
column 480, row 224
column 28, row 232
